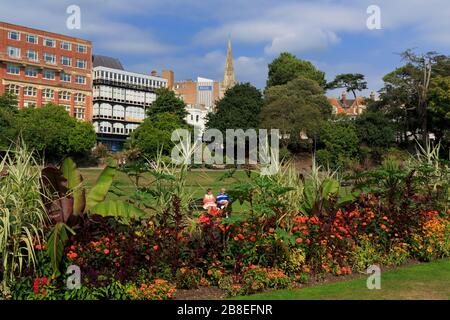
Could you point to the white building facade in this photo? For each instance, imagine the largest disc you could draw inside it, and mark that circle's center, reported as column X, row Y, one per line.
column 120, row 101
column 205, row 103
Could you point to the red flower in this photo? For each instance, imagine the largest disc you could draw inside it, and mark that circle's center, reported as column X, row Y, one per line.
column 299, row 240
column 72, row 255
column 36, row 285
column 155, row 248
column 106, row 251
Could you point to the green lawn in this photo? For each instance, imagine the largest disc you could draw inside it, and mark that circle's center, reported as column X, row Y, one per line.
column 423, row 281
column 198, row 182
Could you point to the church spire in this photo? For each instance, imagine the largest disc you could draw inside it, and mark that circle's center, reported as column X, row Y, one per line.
column 228, row 77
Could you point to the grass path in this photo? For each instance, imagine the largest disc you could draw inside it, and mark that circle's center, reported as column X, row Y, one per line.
column 422, row 281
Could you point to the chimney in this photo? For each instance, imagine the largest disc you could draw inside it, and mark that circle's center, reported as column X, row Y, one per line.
column 170, row 77
column 344, row 99
column 154, row 73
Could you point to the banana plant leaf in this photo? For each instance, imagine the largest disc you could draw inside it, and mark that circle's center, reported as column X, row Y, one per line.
column 118, row 209
column 75, row 185
column 58, row 202
column 101, row 187
column 55, row 245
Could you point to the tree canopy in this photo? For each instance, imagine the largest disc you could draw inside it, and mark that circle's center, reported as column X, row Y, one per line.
column 287, row 67
column 51, row 131
column 167, row 102
column 299, row 105
column 351, row 82
column 238, row 109
column 154, row 134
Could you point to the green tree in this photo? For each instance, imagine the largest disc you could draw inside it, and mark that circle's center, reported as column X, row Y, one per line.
column 82, row 137
column 8, row 110
column 53, row 133
column 352, row 82
column 375, row 130
column 167, row 102
column 238, row 109
column 8, row 101
column 398, row 101
column 154, row 134
column 339, row 142
column 439, row 109
column 287, row 67
column 298, row 106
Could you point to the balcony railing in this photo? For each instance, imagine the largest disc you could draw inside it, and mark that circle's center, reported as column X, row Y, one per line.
column 124, row 85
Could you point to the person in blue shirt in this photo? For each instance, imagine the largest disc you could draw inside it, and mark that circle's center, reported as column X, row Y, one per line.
column 222, row 199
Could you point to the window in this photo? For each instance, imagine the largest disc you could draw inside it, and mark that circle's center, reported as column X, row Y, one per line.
column 29, row 104
column 79, row 113
column 32, row 55
column 31, row 72
column 31, row 38
column 12, row 69
column 30, row 91
column 79, row 97
column 49, row 58
column 81, row 64
column 12, row 88
column 196, row 118
column 80, row 79
column 49, row 42
column 81, row 48
column 67, row 108
column 48, row 74
column 66, row 61
column 64, row 95
column 48, row 94
column 14, row 35
column 14, row 52
column 66, row 45
column 65, row 77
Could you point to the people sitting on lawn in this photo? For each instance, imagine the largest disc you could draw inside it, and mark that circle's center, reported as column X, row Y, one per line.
column 209, row 202
column 222, row 199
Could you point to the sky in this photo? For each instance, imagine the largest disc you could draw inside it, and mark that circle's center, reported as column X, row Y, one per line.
column 190, row 37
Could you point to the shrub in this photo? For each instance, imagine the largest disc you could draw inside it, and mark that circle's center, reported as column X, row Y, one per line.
column 365, row 254
column 256, row 279
column 398, row 253
column 340, row 141
column 22, row 213
column 433, row 241
column 295, row 261
column 157, row 290
column 187, row 278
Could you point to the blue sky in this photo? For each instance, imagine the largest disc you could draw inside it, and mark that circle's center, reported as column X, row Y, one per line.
column 190, row 37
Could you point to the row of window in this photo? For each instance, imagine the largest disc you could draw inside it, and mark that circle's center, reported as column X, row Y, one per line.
column 46, row 74
column 114, row 76
column 48, row 42
column 106, row 127
column 46, row 93
column 78, row 112
column 50, row 58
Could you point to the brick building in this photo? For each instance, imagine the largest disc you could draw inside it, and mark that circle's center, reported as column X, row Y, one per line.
column 42, row 67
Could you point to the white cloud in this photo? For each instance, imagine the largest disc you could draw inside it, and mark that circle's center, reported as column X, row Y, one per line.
column 126, row 29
